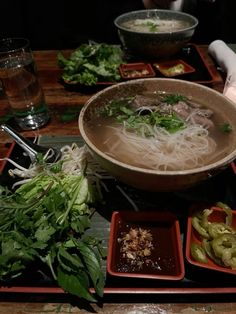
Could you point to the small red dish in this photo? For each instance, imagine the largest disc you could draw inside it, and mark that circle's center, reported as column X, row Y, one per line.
column 136, row 70
column 233, row 166
column 218, row 215
column 173, row 68
column 145, row 245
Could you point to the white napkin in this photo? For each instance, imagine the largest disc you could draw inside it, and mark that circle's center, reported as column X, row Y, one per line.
column 226, row 59
column 177, row 5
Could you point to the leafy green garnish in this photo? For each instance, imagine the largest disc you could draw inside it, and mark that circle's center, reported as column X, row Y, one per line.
column 172, row 99
column 226, row 128
column 123, row 113
column 45, row 220
column 91, row 63
column 152, row 27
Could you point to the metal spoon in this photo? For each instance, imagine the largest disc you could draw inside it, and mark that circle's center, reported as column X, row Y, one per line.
column 30, row 148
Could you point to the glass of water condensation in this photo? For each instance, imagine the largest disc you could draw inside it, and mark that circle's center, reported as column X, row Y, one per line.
column 18, row 77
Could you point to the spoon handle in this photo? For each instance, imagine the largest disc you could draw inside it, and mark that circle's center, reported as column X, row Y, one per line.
column 30, row 148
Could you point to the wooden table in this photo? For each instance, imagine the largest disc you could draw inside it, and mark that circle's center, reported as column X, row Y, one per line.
column 63, row 103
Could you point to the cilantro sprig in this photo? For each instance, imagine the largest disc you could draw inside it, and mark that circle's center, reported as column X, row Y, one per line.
column 172, row 99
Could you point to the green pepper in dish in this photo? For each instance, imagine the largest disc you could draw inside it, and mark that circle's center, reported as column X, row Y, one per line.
column 218, row 237
column 206, row 244
column 198, row 253
column 222, row 243
column 196, row 223
column 217, row 229
column 228, row 212
column 229, row 257
column 204, row 221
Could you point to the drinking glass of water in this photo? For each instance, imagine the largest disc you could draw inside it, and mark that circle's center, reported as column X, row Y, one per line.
column 18, row 77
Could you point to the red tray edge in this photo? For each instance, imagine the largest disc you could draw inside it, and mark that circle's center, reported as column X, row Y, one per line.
column 111, row 290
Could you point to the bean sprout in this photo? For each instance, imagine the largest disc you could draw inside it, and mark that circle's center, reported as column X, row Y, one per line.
column 74, row 160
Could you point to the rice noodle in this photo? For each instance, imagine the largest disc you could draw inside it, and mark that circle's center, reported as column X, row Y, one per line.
column 186, row 149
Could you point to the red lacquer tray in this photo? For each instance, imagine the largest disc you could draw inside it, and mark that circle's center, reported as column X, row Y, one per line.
column 190, row 55
column 197, row 282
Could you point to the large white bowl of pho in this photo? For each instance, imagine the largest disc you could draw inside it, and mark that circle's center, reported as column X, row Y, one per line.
column 155, row 33
column 160, row 134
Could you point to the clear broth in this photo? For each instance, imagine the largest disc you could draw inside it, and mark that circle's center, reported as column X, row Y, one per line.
column 99, row 131
column 155, row 25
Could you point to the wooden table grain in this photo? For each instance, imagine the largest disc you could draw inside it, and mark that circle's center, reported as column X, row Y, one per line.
column 64, row 103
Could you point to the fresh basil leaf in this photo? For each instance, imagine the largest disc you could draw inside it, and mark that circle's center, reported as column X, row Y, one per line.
column 76, row 284
column 69, row 261
column 93, row 266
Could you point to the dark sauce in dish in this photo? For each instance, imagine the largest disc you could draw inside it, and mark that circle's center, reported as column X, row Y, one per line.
column 163, row 257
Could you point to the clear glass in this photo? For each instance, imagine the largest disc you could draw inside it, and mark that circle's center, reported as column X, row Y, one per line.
column 18, row 77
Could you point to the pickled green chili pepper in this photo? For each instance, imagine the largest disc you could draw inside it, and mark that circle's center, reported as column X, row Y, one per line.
column 228, row 212
column 229, row 257
column 204, row 222
column 196, row 223
column 226, row 256
column 223, row 242
column 218, row 238
column 198, row 253
column 206, row 244
column 217, row 229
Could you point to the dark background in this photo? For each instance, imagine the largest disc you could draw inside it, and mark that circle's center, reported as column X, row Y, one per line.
column 65, row 24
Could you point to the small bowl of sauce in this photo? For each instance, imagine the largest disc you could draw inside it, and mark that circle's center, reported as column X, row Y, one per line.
column 136, row 70
column 145, row 245
column 173, row 68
